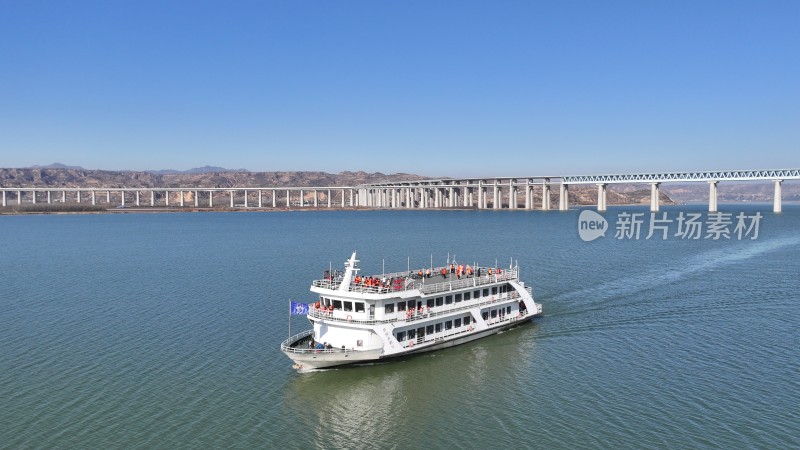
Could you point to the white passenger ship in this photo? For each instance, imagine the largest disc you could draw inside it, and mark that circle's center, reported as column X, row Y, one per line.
column 360, row 319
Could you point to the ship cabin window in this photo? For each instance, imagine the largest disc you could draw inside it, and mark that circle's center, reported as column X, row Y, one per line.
column 348, row 306
column 448, row 325
column 503, row 288
column 486, row 292
column 429, row 303
column 494, row 313
column 411, row 304
column 485, row 315
column 458, row 298
column 412, row 333
column 359, row 307
column 457, row 323
column 401, row 336
column 439, row 301
column 401, row 306
column 508, row 310
column 337, row 304
column 388, row 308
column 476, row 294
column 494, row 290
column 467, row 320
column 438, row 327
column 429, row 329
column 467, row 295
column 448, row 300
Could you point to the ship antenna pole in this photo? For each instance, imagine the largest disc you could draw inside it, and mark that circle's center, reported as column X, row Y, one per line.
column 290, row 319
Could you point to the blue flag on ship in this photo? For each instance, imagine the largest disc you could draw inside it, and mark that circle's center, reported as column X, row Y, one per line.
column 298, row 309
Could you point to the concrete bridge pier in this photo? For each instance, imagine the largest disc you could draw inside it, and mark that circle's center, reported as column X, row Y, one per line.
column 654, row 200
column 602, row 199
column 196, row 199
column 48, row 196
column 79, row 195
column 512, row 195
column 180, row 201
column 63, row 197
column 137, row 198
column 528, row 194
column 496, row 196
column 122, row 197
column 712, row 196
column 152, row 198
column 563, row 199
column 546, row 195
column 776, row 202
column 4, row 199
column 94, row 198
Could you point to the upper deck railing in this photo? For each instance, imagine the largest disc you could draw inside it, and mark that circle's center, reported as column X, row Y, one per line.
column 407, row 281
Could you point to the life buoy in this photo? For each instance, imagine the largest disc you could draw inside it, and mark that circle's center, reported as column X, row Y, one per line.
column 349, row 318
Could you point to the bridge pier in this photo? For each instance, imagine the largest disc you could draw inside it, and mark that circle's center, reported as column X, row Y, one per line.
column 546, row 195
column 496, row 196
column 152, row 198
column 776, row 201
column 4, row 199
column 180, row 200
column 712, row 196
column 137, row 198
column 654, row 197
column 94, row 198
column 563, row 199
column 601, row 197
column 63, row 196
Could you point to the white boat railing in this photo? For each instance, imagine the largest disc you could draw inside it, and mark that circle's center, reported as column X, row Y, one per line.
column 405, row 317
column 286, row 345
column 407, row 281
column 468, row 282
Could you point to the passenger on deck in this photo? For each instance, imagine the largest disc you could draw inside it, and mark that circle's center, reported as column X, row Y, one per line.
column 428, row 273
column 452, row 268
column 444, row 272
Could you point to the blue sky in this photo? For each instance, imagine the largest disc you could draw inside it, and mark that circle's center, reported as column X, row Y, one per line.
column 439, row 88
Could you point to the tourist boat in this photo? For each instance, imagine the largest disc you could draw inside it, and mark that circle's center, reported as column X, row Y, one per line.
column 358, row 319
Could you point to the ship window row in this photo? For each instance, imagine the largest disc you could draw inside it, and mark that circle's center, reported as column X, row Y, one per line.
column 347, row 306
column 420, row 332
column 446, row 300
column 494, row 312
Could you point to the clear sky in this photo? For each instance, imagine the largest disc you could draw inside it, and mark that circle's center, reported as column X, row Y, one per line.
column 439, row 88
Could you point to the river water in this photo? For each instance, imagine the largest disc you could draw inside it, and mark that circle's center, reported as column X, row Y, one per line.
column 163, row 331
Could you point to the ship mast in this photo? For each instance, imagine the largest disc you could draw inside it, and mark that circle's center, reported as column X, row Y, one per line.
column 351, row 268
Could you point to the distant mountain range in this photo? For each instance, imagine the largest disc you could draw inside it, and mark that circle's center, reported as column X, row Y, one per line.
column 204, row 169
